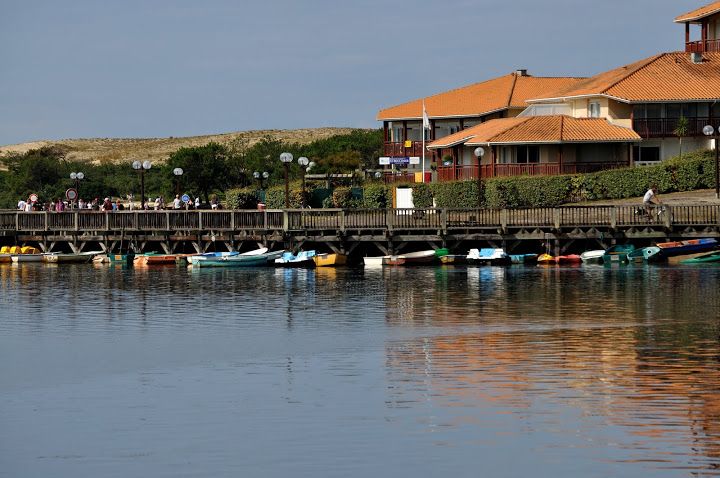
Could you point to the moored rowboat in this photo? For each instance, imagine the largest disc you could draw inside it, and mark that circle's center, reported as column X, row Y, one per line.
column 593, row 257
column 330, row 260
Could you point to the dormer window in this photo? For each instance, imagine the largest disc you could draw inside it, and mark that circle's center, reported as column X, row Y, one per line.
column 594, row 109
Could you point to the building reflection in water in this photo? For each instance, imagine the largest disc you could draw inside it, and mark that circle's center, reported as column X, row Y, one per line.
column 636, row 348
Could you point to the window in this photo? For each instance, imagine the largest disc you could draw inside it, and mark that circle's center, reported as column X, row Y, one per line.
column 646, row 153
column 594, row 109
column 527, row 154
column 398, row 135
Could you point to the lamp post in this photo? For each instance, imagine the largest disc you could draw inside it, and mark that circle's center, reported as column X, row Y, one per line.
column 303, row 162
column 178, row 172
column 77, row 177
column 142, row 167
column 259, row 177
column 286, row 159
column 479, row 153
column 710, row 131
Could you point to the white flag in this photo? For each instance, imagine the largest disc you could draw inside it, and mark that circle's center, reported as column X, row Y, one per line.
column 426, row 120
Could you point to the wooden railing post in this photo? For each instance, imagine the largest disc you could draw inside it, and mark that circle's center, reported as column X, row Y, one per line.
column 557, row 218
column 200, row 224
column 107, row 221
column 342, row 221
column 443, row 219
column 613, row 218
column 17, row 222
column 47, row 227
column 286, row 220
column 667, row 217
column 76, row 218
column 390, row 212
column 232, row 221
column 167, row 221
column 504, row 214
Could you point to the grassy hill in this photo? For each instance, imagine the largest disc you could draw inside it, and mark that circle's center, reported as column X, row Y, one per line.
column 119, row 150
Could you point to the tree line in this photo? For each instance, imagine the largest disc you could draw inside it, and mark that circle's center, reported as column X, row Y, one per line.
column 207, row 170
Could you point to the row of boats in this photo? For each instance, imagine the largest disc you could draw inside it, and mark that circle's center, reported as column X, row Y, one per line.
column 696, row 251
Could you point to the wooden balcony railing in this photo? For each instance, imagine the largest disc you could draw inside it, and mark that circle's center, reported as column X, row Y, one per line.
column 146, row 222
column 398, row 150
column 459, row 173
column 666, row 127
column 702, row 46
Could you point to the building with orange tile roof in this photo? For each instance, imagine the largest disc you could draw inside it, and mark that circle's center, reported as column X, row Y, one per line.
column 527, row 125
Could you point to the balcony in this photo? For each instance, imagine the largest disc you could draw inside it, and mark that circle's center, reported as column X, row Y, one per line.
column 702, row 46
column 398, row 150
column 665, row 127
column 460, row 173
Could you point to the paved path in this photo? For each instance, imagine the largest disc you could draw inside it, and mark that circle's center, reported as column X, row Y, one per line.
column 688, row 198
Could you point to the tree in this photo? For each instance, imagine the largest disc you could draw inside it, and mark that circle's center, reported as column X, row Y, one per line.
column 681, row 130
column 204, row 168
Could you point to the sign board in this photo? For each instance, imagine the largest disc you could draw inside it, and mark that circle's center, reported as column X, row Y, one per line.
column 384, row 161
column 185, row 198
column 414, row 159
column 33, row 197
column 71, row 194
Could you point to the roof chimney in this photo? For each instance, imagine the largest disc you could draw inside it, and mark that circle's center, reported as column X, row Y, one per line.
column 522, row 72
column 696, row 58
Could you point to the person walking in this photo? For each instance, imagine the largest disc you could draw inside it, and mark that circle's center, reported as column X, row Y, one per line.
column 177, row 203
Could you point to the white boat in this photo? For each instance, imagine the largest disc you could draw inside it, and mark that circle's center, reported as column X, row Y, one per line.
column 593, row 257
column 420, row 257
column 213, row 256
column 375, row 261
column 488, row 256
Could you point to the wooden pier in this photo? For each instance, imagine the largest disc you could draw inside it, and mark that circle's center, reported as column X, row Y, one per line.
column 385, row 231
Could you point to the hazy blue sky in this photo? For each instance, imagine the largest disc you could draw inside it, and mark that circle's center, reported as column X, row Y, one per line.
column 81, row 68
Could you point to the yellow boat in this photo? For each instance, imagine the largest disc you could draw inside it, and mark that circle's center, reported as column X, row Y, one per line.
column 329, row 260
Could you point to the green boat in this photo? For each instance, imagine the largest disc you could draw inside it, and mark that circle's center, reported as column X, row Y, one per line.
column 441, row 252
column 644, row 254
column 704, row 259
column 618, row 254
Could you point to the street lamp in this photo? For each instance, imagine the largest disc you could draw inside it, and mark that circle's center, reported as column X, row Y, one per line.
column 178, row 172
column 286, row 159
column 77, row 177
column 710, row 131
column 142, row 167
column 479, row 153
column 260, row 177
column 303, row 162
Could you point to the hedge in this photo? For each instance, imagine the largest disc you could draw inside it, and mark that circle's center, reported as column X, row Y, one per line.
column 693, row 171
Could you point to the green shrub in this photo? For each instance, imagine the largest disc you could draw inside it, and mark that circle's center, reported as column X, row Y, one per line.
column 375, row 196
column 275, row 197
column 422, row 195
column 457, row 192
column 240, row 199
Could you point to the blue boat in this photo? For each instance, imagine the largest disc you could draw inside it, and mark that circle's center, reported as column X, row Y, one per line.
column 488, row 256
column 523, row 258
column 303, row 259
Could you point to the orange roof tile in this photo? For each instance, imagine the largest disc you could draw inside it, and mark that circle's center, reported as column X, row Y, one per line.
column 539, row 129
column 478, row 99
column 699, row 13
column 664, row 77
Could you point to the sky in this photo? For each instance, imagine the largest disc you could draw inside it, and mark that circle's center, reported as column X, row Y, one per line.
column 159, row 68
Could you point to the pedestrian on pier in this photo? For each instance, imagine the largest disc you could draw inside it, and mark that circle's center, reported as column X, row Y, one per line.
column 650, row 200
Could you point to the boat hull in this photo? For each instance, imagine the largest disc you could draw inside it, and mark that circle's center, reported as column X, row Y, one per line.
column 27, row 258
column 593, row 257
column 705, row 258
column 330, row 260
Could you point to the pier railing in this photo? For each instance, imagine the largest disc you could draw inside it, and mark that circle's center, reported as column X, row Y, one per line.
column 441, row 219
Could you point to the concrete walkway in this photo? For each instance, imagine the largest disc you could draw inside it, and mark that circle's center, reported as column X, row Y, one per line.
column 688, row 198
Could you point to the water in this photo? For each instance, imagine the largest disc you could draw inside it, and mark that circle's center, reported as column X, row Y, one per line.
column 438, row 371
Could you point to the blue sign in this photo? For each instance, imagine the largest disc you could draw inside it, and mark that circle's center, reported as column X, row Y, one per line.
column 405, row 160
column 185, row 198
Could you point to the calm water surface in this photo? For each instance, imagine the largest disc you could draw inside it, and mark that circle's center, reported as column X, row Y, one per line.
column 523, row 371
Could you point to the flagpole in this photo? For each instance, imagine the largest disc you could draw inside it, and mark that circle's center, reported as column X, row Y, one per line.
column 424, row 115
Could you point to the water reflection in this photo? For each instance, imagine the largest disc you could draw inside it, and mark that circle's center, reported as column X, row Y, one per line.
column 619, row 362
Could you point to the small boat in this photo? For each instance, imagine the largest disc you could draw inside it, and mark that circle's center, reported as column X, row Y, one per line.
column 593, row 257
column 523, row 258
column 546, row 259
column 637, row 256
column 376, row 261
column 303, row 259
column 394, row 260
column 442, row 252
column 79, row 258
column 568, row 259
column 239, row 260
column 454, row 259
column 618, row 254
column 27, row 258
column 330, row 260
column 705, row 258
column 215, row 255
column 412, row 258
column 488, row 256
column 669, row 250
column 126, row 258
